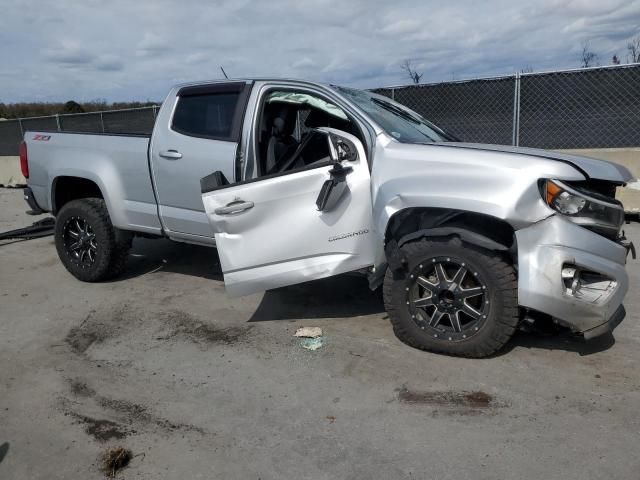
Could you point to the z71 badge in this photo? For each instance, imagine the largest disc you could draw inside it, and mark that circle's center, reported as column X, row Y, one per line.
column 42, row 138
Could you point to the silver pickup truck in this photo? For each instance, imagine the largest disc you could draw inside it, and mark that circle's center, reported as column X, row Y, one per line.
column 296, row 181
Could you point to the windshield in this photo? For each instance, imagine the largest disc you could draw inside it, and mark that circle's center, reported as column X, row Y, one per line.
column 401, row 123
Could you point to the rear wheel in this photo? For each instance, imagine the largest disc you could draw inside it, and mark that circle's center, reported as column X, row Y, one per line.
column 452, row 298
column 88, row 245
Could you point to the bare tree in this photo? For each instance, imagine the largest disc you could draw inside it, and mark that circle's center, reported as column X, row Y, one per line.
column 527, row 69
column 589, row 58
column 615, row 60
column 633, row 50
column 408, row 68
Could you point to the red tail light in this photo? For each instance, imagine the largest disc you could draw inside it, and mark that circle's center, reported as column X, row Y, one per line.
column 24, row 164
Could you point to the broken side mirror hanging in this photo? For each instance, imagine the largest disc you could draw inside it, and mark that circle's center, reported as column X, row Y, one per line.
column 333, row 189
column 342, row 149
column 213, row 182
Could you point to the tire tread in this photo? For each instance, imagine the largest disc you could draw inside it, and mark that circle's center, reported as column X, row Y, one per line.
column 115, row 247
column 505, row 324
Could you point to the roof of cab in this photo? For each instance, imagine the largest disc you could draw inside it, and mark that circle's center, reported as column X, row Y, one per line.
column 251, row 80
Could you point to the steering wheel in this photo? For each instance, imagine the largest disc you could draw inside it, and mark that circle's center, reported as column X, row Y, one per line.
column 286, row 164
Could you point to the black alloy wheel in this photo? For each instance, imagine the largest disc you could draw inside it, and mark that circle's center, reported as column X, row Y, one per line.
column 446, row 299
column 80, row 242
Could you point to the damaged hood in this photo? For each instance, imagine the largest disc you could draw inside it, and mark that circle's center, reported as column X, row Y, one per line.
column 591, row 167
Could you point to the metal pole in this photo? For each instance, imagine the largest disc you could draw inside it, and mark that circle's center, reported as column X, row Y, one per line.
column 21, row 129
column 58, row 122
column 102, row 121
column 298, row 134
column 393, row 94
column 155, row 111
column 516, row 108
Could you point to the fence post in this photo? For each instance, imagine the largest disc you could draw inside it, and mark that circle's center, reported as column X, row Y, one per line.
column 102, row 122
column 58, row 122
column 21, row 129
column 393, row 93
column 155, row 110
column 515, row 140
column 519, row 97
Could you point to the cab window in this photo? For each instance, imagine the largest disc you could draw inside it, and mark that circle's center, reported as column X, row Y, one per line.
column 287, row 138
column 206, row 115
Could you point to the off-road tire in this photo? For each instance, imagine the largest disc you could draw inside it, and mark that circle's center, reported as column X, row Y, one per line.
column 112, row 245
column 500, row 284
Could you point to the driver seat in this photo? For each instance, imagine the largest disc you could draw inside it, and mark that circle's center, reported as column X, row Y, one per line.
column 281, row 143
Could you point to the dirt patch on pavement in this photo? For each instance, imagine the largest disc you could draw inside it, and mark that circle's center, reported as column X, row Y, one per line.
column 80, row 388
column 126, row 413
column 473, row 400
column 100, row 429
column 134, row 412
column 96, row 328
column 101, row 326
column 183, row 325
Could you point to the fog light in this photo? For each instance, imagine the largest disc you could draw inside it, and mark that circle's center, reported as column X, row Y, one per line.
column 586, row 285
column 568, row 273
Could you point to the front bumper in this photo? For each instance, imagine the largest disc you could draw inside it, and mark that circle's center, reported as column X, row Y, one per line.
column 554, row 244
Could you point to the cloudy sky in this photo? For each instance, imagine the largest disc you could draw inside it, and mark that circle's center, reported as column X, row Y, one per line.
column 135, row 49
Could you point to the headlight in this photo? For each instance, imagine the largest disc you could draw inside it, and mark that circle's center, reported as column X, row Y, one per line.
column 589, row 209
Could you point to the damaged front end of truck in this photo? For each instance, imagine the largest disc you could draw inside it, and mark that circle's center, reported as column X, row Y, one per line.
column 553, row 216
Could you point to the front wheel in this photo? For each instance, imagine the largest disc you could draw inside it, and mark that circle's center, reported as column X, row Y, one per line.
column 452, row 298
column 88, row 245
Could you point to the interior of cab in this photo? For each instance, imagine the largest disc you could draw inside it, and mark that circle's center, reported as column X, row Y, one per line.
column 287, row 139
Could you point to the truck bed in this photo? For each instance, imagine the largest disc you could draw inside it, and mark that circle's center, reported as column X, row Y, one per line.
column 117, row 163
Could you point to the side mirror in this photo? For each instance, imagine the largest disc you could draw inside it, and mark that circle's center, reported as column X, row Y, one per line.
column 213, row 181
column 342, row 149
column 333, row 189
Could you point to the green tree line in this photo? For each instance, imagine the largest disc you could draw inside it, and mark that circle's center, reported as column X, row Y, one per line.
column 33, row 109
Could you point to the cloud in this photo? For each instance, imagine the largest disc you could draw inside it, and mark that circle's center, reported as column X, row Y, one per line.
column 194, row 58
column 109, row 63
column 68, row 54
column 137, row 50
column 71, row 55
column 402, row 27
column 151, row 44
column 303, row 63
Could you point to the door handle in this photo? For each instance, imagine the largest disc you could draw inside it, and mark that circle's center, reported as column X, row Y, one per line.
column 171, row 154
column 234, row 208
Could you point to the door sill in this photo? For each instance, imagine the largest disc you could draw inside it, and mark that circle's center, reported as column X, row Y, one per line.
column 189, row 238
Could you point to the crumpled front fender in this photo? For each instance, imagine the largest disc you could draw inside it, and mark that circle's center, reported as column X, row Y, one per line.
column 554, row 244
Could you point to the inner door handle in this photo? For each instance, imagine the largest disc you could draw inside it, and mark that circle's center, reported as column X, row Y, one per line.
column 171, row 154
column 234, row 207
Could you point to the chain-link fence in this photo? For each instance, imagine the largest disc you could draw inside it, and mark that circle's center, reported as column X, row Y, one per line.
column 598, row 108
column 586, row 108
column 132, row 120
column 481, row 110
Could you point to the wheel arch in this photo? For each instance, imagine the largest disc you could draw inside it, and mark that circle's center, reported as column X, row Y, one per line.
column 65, row 188
column 413, row 223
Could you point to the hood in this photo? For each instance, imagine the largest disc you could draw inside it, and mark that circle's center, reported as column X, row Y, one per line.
column 590, row 167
